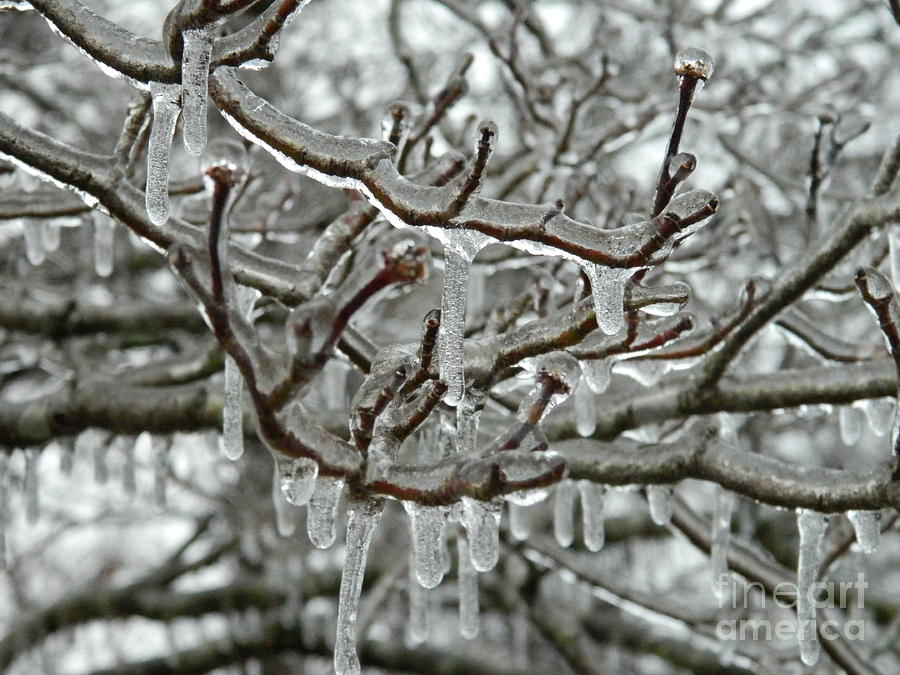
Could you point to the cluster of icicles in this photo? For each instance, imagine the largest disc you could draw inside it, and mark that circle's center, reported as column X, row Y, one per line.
column 297, row 482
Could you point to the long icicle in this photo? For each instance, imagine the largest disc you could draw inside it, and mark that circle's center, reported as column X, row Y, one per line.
column 812, row 526
column 453, row 323
column 166, row 108
column 362, row 519
column 468, row 592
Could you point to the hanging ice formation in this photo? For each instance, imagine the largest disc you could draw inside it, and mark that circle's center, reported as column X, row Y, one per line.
column 427, row 525
column 592, row 514
column 468, row 592
column 867, row 526
column 104, row 236
column 195, row 61
column 585, row 409
column 659, row 497
column 233, row 410
column 362, row 519
column 608, row 290
column 296, row 479
column 850, row 422
column 482, row 523
column 419, row 615
column 721, row 533
column 284, row 515
column 321, row 512
column 812, row 527
column 34, row 244
column 564, row 513
column 32, row 491
column 460, row 248
column 166, row 108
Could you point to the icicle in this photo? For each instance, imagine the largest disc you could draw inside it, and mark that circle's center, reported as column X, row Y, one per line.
column 166, row 108
column 597, row 374
column 284, row 515
column 32, row 497
column 482, row 523
column 99, row 452
column 880, row 413
column 459, row 251
column 812, row 526
column 585, row 410
column 427, row 525
column 468, row 413
column 564, row 513
column 592, row 514
column 608, row 290
column 34, row 242
column 296, row 478
column 4, row 510
column 160, row 472
column 867, row 525
column 233, row 412
column 50, row 236
column 194, row 79
column 67, row 455
column 850, row 419
column 362, row 519
column 519, row 525
column 104, row 236
column 418, row 628
column 721, row 533
column 893, row 232
column 660, row 499
column 468, row 592
column 129, row 477
column 321, row 512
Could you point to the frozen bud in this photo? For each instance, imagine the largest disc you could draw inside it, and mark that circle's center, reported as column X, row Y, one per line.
column 694, row 62
column 562, row 367
column 487, row 138
column 225, row 160
column 877, row 284
column 396, row 124
column 682, row 165
column 408, row 258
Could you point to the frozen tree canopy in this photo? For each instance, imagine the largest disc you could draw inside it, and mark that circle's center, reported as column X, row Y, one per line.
column 569, row 329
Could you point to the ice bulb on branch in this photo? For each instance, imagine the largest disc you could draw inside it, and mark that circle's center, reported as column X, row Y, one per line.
column 694, row 63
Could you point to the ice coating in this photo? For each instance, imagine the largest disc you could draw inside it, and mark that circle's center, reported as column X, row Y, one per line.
column 812, row 526
column 880, row 414
column 362, row 519
column 321, row 512
column 419, row 615
column 233, row 412
column 694, row 62
column 195, row 61
column 166, row 109
column 297, row 479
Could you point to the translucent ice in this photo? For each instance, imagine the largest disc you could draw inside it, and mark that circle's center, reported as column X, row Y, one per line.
column 659, row 498
column 166, row 108
column 321, row 512
column 468, row 592
column 427, row 524
column 297, row 479
column 194, row 80
column 564, row 513
column 482, row 523
column 592, row 514
column 867, row 525
column 608, row 289
column 812, row 526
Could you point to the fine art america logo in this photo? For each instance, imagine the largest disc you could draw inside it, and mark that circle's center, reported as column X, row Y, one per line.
column 846, row 595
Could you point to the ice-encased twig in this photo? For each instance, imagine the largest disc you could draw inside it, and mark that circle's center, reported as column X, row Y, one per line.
column 194, row 81
column 812, row 526
column 362, row 519
column 166, row 108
